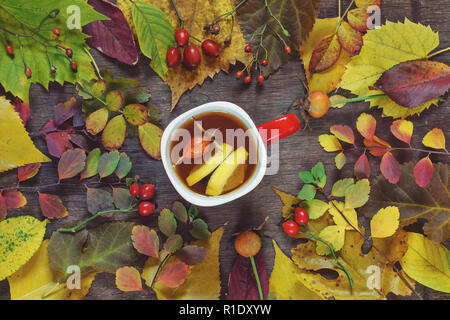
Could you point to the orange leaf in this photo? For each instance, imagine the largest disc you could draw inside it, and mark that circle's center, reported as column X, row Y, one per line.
column 350, row 39
column 3, row 209
column 362, row 167
column 377, row 147
column 173, row 274
column 52, row 206
column 325, row 54
column 434, row 139
column 145, row 241
column 390, row 168
column 128, row 279
column 423, row 172
column 29, row 171
column 366, row 125
column 72, row 162
column 14, row 199
column 343, row 133
column 402, row 130
column 357, row 18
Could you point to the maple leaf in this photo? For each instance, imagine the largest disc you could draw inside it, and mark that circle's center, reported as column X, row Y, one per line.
column 384, row 48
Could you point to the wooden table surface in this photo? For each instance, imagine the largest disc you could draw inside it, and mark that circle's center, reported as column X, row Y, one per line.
column 263, row 103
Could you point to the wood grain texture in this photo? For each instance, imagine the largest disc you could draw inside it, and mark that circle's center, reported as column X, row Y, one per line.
column 263, row 103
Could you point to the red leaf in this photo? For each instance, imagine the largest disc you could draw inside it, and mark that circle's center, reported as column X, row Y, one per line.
column 350, row 39
column 192, row 254
column 423, row 172
column 415, row 82
column 173, row 274
column 325, row 54
column 390, row 168
column 14, row 199
column 242, row 283
column 23, row 109
column 79, row 141
column 362, row 167
column 377, row 147
column 128, row 279
column 112, row 37
column 65, row 111
column 72, row 162
column 3, row 209
column 58, row 143
column 29, row 171
column 145, row 241
column 343, row 133
column 402, row 130
column 52, row 206
column 49, row 127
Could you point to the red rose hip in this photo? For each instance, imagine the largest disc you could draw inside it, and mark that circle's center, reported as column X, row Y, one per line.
column 301, row 216
column 147, row 191
column 291, row 228
column 210, row 48
column 135, row 189
column 191, row 57
column 173, row 57
column 146, row 208
column 181, row 37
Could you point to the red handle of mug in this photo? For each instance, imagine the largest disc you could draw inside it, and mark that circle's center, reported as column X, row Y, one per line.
column 287, row 125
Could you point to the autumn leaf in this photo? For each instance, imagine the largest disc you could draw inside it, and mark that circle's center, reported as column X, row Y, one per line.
column 377, row 147
column 150, row 138
column 330, row 143
column 434, row 139
column 114, row 100
column 173, row 243
column 72, row 162
column 390, row 168
column 14, row 199
column 97, row 120
column 166, row 222
column 289, row 201
column 3, row 208
column 402, row 130
column 91, row 164
column 108, row 163
column 124, row 166
column 136, row 114
column 315, row 208
column 413, row 42
column 128, row 279
column 113, row 136
column 366, row 125
column 192, row 254
column 414, row 202
column 356, row 195
column 413, row 83
column 427, row 262
column 180, row 212
column 28, row 171
column 336, row 210
column 385, row 222
column 350, row 39
column 334, row 235
column 340, row 160
column 358, row 18
column 58, row 143
column 343, row 133
column 23, row 109
column 52, row 206
column 16, row 147
column 423, row 172
column 325, row 54
column 122, row 198
column 98, row 200
column 327, row 80
column 362, row 167
column 339, row 187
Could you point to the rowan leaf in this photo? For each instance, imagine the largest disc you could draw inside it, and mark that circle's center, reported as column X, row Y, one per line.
column 330, row 143
column 128, row 279
column 350, row 39
column 366, row 125
column 328, row 80
column 173, row 243
column 108, row 163
column 423, row 172
column 427, row 262
column 325, row 54
column 16, row 147
column 289, row 201
column 357, row 194
column 122, row 198
column 21, row 238
column 385, row 47
column 402, row 130
column 334, row 235
column 430, row 203
column 145, row 241
column 339, row 187
column 385, row 222
column 167, row 223
column 52, row 206
column 97, row 120
column 413, row 83
column 315, row 208
column 136, row 114
column 98, row 200
column 362, row 167
column 343, row 133
column 340, row 160
column 192, row 254
column 111, row 37
column 434, row 139
column 124, row 166
column 71, row 163
column 114, row 100
column 28, row 171
column 150, row 138
column 358, row 18
column 336, row 210
column 91, row 164
column 14, row 199
column 390, row 168
column 113, row 136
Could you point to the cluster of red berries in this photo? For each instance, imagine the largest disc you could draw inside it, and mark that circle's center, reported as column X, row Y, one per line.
column 301, row 217
column 145, row 193
column 191, row 54
column 69, row 53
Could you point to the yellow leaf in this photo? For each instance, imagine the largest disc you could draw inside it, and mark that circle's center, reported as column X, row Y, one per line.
column 385, row 222
column 327, row 80
column 427, row 262
column 203, row 282
column 434, row 139
column 20, row 238
column 337, row 97
column 349, row 213
column 285, row 281
column 289, row 201
column 37, row 281
column 16, row 147
column 329, row 142
column 383, row 48
column 334, row 235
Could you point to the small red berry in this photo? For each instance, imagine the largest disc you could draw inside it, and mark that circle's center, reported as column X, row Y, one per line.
column 291, row 228
column 173, row 57
column 28, row 72
column 239, row 74
column 264, row 62
column 248, row 48
column 9, row 49
column 74, row 65
column 182, row 37
column 146, row 208
column 260, row 79
column 147, row 191
column 247, row 79
column 135, row 189
column 301, row 216
column 56, row 32
column 287, row 49
column 191, row 57
column 210, row 48
column 69, row 52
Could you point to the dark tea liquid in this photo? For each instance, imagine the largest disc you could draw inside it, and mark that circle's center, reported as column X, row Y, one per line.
column 220, row 121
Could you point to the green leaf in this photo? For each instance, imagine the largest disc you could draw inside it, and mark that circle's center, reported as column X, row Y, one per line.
column 141, row 95
column 71, row 163
column 318, row 171
column 108, row 163
column 200, row 229
column 340, row 160
column 308, row 192
column 306, row 177
column 340, row 186
column 91, row 164
column 357, row 194
column 114, row 100
column 315, row 208
column 124, row 166
column 97, row 120
column 179, row 210
column 322, row 181
column 167, row 223
column 173, row 243
column 155, row 34
column 123, row 200
column 136, row 114
column 98, row 200
column 114, row 134
column 193, row 212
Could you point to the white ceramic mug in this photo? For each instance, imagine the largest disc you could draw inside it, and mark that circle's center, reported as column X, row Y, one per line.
column 286, row 125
